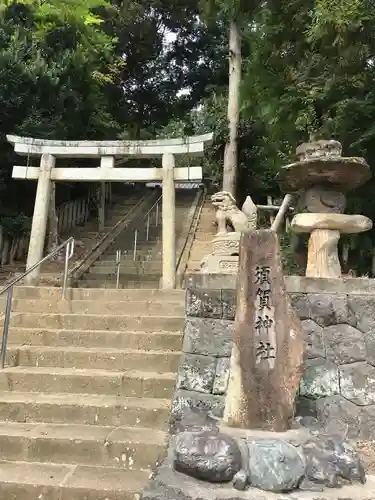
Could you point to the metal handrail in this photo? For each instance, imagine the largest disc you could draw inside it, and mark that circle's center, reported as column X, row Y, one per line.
column 194, row 224
column 69, row 250
column 135, row 241
column 73, row 273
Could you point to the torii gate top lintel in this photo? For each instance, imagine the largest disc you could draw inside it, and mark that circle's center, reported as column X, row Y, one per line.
column 107, row 151
column 193, row 146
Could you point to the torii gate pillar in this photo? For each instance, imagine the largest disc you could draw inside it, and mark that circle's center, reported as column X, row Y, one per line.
column 40, row 218
column 169, row 223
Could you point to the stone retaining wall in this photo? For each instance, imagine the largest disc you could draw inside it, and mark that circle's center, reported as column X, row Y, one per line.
column 339, row 320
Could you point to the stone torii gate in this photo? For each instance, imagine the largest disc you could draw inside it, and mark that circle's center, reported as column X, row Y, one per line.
column 107, row 152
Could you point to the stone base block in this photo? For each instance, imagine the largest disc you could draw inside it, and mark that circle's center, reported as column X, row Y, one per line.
column 226, row 244
column 220, row 264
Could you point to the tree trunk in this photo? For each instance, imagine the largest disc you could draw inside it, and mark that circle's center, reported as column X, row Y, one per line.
column 53, row 233
column 230, row 153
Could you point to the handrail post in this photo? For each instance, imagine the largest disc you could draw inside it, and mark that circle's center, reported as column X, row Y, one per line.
column 148, row 226
column 8, row 310
column 69, row 250
column 118, row 264
column 135, row 244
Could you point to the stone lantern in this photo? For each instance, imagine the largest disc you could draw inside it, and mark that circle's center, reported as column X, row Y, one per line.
column 321, row 177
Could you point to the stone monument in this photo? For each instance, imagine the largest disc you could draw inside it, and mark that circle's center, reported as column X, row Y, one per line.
column 268, row 341
column 231, row 222
column 321, row 177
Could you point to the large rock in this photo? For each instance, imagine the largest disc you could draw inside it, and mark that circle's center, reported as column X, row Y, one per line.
column 345, row 344
column 210, row 337
column 222, row 376
column 332, row 462
column 197, row 373
column 336, row 410
column 314, row 339
column 330, row 309
column 184, row 401
column 320, row 379
column 268, row 341
column 275, row 465
column 357, row 382
column 207, row 455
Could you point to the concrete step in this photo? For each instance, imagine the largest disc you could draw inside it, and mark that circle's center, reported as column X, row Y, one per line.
column 128, row 269
column 150, row 341
column 97, row 322
column 103, row 358
column 110, row 261
column 61, row 306
column 90, row 409
column 104, row 283
column 135, row 384
column 32, row 481
column 122, row 447
column 35, row 292
column 125, row 279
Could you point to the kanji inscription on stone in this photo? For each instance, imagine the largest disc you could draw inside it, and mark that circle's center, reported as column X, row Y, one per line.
column 268, row 340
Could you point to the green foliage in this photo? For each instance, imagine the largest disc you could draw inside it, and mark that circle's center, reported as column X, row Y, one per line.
column 310, row 75
column 288, row 258
column 14, row 225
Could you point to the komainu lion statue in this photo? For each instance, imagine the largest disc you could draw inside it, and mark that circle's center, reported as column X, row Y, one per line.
column 228, row 215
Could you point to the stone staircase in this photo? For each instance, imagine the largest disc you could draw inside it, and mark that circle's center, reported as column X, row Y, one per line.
column 86, row 237
column 204, row 234
column 146, row 270
column 85, row 396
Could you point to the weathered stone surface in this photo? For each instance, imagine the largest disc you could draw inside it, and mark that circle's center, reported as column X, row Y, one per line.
column 183, row 400
column 362, row 307
column 229, row 300
column 307, row 222
column 330, row 309
column 345, row 344
column 332, row 462
column 320, row 379
column 207, row 455
column 220, row 264
column 322, row 254
column 343, row 173
column 226, row 244
column 211, row 304
column 367, row 422
column 171, row 485
column 193, row 302
column 228, row 214
column 321, row 199
column 197, row 373
column 295, row 436
column 370, row 347
column 208, row 336
column 274, row 465
column 196, row 420
column 336, row 409
column 203, row 303
column 221, row 376
column 314, row 339
column 300, row 303
column 318, row 149
column 268, row 341
column 357, row 382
